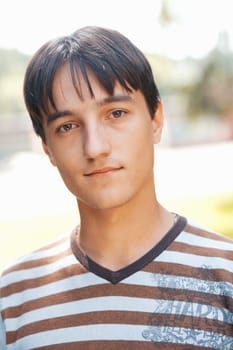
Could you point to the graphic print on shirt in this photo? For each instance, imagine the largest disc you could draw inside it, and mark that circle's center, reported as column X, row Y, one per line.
column 188, row 312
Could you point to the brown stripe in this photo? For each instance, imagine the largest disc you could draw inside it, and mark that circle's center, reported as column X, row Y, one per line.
column 119, row 290
column 120, row 317
column 188, row 271
column 38, row 262
column 207, row 234
column 203, row 251
column 153, row 267
column 119, row 345
column 48, row 246
column 23, row 285
column 100, row 317
column 55, row 243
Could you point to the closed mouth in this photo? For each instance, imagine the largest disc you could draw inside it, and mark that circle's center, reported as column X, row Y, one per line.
column 102, row 171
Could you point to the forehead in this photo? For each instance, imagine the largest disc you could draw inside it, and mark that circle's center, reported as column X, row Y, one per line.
column 66, row 80
column 68, row 83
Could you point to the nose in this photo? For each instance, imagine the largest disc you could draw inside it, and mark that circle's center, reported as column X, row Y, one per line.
column 96, row 142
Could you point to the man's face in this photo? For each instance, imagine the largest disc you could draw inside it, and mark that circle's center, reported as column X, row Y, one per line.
column 101, row 145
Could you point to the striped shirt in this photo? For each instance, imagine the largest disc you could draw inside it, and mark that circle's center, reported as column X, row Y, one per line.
column 177, row 296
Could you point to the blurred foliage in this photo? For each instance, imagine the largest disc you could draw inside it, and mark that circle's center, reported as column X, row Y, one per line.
column 211, row 90
column 164, row 72
column 212, row 211
column 12, row 68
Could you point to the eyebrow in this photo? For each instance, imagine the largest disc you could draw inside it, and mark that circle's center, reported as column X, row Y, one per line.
column 56, row 115
column 107, row 100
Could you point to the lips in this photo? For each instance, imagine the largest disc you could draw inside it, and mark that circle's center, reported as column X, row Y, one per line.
column 104, row 170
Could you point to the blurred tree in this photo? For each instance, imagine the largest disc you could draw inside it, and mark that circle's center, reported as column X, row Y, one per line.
column 212, row 90
column 12, row 61
column 12, row 67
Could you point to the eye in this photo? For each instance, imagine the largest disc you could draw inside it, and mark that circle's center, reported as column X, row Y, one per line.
column 118, row 113
column 66, row 127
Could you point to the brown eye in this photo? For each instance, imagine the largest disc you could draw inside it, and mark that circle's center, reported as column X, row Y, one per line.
column 66, row 127
column 117, row 114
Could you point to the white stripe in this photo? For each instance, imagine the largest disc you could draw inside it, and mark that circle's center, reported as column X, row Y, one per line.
column 37, row 272
column 81, row 333
column 139, row 278
column 60, row 286
column 82, row 306
column 167, row 257
column 46, row 253
column 125, row 304
column 193, row 260
column 43, row 253
column 181, row 282
column 200, row 226
column 115, row 332
column 192, row 239
column 191, row 336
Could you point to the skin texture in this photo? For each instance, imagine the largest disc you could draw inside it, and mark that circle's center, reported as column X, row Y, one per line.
column 103, row 147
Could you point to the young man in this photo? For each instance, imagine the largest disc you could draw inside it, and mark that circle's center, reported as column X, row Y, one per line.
column 132, row 275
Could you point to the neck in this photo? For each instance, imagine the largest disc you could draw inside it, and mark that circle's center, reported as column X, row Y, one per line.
column 116, row 237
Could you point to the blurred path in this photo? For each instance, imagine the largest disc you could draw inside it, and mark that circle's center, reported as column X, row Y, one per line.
column 194, row 170
column 30, row 186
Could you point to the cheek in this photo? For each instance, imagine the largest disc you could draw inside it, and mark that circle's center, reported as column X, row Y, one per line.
column 141, row 152
column 65, row 160
column 67, row 163
column 70, row 172
column 64, row 151
column 143, row 141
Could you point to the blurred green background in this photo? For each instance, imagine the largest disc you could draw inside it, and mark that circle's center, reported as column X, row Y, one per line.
column 22, row 236
column 193, row 164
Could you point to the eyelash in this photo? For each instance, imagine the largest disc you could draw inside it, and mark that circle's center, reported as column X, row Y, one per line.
column 64, row 126
column 122, row 113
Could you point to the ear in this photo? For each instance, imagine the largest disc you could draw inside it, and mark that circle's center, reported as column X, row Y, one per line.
column 157, row 123
column 48, row 152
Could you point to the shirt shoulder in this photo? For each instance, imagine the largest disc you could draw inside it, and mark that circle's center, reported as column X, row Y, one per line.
column 43, row 262
column 200, row 247
column 204, row 232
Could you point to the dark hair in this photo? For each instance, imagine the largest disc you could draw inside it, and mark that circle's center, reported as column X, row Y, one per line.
column 109, row 54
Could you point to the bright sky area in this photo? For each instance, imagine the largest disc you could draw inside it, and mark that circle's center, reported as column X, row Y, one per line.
column 27, row 24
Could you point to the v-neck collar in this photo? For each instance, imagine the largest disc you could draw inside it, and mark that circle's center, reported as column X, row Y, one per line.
column 117, row 276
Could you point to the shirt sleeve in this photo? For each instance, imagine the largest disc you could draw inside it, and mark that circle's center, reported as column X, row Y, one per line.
column 2, row 333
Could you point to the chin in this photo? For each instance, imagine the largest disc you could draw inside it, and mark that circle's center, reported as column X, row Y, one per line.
column 105, row 203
